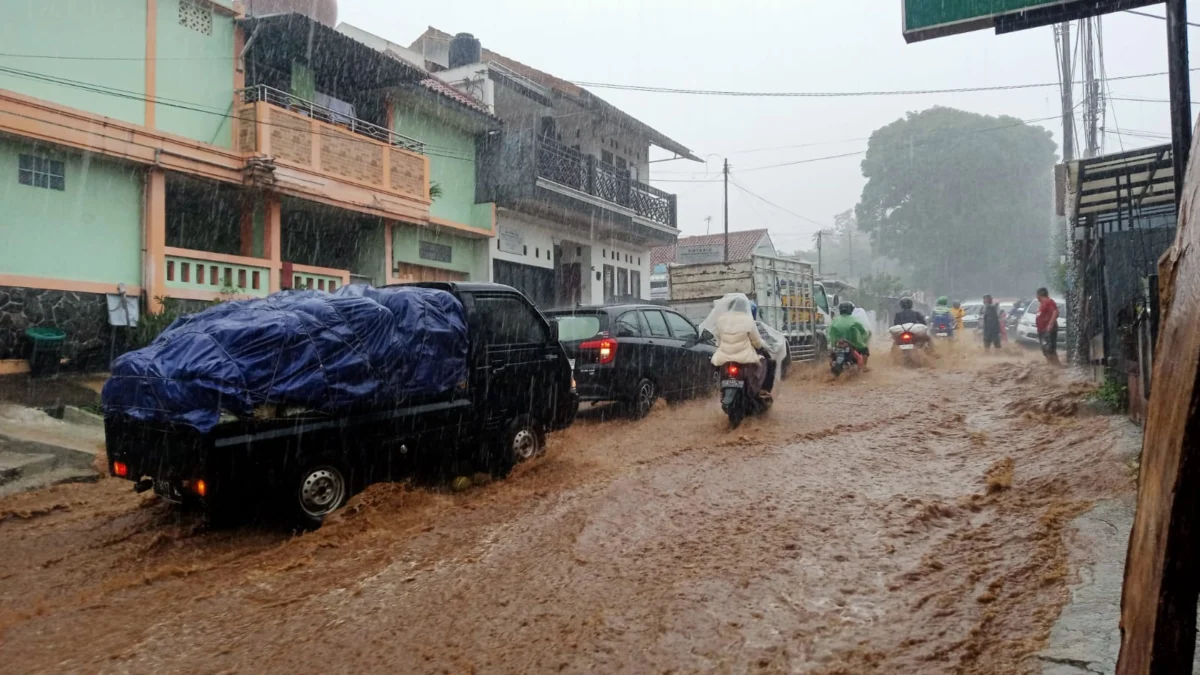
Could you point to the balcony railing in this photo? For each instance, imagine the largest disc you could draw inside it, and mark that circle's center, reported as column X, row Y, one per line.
column 303, row 135
column 201, row 275
column 316, row 111
column 567, row 166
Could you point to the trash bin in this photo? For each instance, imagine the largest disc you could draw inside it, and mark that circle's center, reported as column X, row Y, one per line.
column 45, row 350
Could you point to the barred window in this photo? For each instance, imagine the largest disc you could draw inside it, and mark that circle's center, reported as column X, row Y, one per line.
column 41, row 172
column 196, row 15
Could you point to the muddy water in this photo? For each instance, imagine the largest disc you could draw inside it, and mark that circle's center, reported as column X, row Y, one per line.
column 905, row 521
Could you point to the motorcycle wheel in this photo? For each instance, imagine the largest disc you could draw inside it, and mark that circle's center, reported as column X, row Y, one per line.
column 736, row 413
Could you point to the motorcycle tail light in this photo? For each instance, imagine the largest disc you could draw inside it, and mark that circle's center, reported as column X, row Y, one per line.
column 906, row 337
column 732, row 370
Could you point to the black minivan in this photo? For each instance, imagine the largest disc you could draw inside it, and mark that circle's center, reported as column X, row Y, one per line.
column 519, row 386
column 632, row 354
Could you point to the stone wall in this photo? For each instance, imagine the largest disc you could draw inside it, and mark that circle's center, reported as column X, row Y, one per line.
column 84, row 317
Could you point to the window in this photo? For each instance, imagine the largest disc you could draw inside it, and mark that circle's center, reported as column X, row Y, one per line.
column 635, row 283
column 681, row 327
column 576, row 328
column 41, row 172
column 658, row 325
column 622, row 283
column 628, row 325
column 196, row 16
column 606, row 157
column 621, row 164
column 505, row 320
column 609, row 281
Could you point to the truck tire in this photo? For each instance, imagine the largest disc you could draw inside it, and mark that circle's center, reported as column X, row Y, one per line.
column 522, row 441
column 317, row 488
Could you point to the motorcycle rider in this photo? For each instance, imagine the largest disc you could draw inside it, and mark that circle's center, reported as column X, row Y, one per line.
column 847, row 327
column 907, row 314
column 942, row 316
column 738, row 342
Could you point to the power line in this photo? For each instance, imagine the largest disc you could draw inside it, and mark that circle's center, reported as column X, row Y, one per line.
column 743, row 188
column 840, row 94
column 431, row 150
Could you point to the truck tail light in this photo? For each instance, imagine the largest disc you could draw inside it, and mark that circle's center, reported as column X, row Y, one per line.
column 200, row 487
column 121, row 469
column 607, row 347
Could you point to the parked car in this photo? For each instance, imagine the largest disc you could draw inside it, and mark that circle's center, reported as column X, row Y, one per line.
column 973, row 313
column 1027, row 325
column 518, row 387
column 634, row 353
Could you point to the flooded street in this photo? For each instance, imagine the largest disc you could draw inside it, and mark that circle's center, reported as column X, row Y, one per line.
column 906, row 521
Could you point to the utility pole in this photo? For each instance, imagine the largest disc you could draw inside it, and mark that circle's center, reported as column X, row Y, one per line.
column 1181, row 89
column 1066, row 78
column 1091, row 107
column 726, row 210
column 819, row 233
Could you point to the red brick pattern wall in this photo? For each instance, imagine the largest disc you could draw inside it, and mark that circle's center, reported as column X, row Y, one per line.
column 291, row 138
column 352, row 157
column 407, row 174
column 247, row 129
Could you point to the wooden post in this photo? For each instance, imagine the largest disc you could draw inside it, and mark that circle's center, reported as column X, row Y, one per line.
column 154, row 263
column 272, row 238
column 1158, row 602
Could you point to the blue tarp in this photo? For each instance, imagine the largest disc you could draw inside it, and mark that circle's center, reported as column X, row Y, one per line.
column 359, row 348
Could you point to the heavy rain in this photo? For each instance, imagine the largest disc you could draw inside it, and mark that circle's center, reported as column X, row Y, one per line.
column 345, row 336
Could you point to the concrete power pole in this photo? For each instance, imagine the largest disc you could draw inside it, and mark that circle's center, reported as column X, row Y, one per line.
column 1066, row 79
column 1091, row 88
column 726, row 210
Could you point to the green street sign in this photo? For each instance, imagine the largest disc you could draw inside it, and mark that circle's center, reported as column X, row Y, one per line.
column 925, row 19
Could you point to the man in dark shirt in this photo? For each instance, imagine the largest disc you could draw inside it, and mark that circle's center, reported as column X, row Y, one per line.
column 907, row 314
column 1047, row 326
column 991, row 323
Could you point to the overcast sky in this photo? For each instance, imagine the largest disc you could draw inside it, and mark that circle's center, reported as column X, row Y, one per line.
column 796, row 45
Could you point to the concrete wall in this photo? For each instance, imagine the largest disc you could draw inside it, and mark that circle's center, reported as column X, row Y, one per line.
column 105, row 43
column 464, row 251
column 90, row 231
column 451, row 153
column 194, row 77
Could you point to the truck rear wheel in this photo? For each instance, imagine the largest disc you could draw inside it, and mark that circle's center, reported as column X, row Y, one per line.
column 317, row 489
column 522, row 441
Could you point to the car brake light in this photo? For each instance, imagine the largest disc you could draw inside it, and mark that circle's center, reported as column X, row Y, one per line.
column 607, row 347
column 121, row 469
column 732, row 370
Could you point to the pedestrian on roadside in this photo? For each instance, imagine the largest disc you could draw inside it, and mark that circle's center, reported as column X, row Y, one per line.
column 958, row 313
column 1047, row 326
column 991, row 323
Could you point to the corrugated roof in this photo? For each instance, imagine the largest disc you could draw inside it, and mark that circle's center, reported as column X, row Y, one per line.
column 434, row 84
column 741, row 245
column 586, row 98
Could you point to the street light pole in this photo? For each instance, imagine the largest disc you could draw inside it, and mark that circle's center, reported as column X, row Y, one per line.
column 726, row 210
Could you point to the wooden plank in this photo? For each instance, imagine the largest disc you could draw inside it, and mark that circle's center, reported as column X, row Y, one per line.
column 1158, row 603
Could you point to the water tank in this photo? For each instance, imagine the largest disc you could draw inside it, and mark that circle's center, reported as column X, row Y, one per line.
column 465, row 50
column 321, row 11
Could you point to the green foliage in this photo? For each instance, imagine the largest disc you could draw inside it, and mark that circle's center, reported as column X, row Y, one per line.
column 150, row 325
column 961, row 197
column 871, row 289
column 1113, row 392
column 435, row 190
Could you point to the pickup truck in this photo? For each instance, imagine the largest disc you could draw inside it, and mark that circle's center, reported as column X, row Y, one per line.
column 520, row 385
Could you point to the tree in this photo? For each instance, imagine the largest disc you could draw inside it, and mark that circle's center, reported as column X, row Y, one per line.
column 964, row 199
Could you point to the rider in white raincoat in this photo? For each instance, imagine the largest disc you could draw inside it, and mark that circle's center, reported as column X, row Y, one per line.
column 740, row 338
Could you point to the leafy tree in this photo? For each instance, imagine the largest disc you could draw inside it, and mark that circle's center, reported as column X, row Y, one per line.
column 964, row 199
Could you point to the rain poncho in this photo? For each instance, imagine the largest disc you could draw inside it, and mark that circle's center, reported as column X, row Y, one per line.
column 737, row 335
column 846, row 327
column 863, row 318
column 774, row 342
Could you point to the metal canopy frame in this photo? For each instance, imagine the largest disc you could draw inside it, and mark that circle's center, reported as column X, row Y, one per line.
column 1122, row 187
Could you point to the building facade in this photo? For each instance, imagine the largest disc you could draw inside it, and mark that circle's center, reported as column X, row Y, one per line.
column 182, row 151
column 576, row 217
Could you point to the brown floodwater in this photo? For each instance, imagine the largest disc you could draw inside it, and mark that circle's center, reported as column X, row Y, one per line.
column 902, row 521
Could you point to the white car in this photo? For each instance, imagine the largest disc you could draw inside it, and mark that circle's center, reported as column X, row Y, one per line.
column 1027, row 326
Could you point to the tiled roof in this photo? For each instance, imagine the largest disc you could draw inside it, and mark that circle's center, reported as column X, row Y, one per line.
column 570, row 89
column 446, row 90
column 741, row 245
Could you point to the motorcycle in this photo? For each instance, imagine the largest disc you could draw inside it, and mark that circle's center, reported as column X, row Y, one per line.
column 735, row 401
column 909, row 337
column 943, row 326
column 841, row 359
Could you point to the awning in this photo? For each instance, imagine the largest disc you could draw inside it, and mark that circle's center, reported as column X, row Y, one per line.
column 1111, row 187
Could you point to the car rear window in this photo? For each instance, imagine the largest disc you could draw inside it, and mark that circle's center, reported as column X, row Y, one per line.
column 577, row 327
